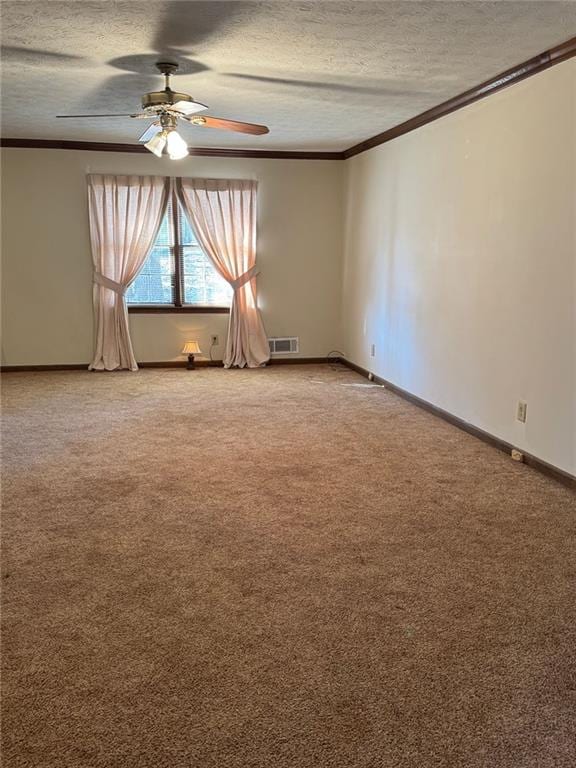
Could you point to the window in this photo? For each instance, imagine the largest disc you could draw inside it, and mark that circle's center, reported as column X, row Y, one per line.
column 177, row 274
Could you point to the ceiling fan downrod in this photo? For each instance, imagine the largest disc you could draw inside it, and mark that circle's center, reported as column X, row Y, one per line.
column 167, row 68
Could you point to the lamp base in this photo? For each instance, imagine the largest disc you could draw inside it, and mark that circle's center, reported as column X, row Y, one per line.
column 191, row 366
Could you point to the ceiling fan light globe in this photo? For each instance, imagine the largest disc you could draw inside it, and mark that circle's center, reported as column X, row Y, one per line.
column 157, row 143
column 176, row 146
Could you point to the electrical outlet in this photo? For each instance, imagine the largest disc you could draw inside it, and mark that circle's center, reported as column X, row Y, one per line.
column 215, row 341
column 372, row 350
column 521, row 411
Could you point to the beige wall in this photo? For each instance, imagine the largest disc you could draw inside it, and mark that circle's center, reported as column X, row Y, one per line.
column 460, row 263
column 47, row 296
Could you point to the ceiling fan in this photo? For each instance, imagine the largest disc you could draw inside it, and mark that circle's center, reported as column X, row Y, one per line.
column 166, row 107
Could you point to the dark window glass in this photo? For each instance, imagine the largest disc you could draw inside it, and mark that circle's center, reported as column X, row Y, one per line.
column 201, row 285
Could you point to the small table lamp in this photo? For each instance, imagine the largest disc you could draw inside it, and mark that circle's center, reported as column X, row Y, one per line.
column 191, row 348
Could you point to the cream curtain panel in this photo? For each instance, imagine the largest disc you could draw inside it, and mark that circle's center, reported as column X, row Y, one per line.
column 125, row 216
column 222, row 213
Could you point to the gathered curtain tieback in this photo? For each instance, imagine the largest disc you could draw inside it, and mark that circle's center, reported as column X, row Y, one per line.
column 108, row 283
column 244, row 278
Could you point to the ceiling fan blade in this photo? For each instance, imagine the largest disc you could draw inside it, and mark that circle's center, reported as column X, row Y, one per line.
column 37, row 57
column 188, row 107
column 180, row 27
column 150, row 132
column 142, row 115
column 389, row 88
column 228, row 125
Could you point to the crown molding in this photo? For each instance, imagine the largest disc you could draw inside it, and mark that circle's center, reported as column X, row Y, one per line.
column 533, row 66
column 101, row 146
column 509, row 77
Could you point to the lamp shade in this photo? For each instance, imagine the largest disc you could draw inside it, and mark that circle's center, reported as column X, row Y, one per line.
column 191, row 348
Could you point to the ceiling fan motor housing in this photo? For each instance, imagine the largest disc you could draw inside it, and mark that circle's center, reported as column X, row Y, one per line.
column 167, row 97
column 163, row 98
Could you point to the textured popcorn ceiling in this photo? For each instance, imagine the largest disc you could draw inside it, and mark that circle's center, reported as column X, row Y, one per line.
column 321, row 75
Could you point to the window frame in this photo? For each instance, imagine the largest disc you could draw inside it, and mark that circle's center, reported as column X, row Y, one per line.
column 177, row 250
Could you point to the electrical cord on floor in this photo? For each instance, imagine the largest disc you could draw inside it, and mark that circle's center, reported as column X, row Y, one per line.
column 336, row 354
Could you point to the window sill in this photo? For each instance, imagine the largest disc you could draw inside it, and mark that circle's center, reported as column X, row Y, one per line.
column 164, row 309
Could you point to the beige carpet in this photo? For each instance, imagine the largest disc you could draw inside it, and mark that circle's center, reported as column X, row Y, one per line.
column 280, row 568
